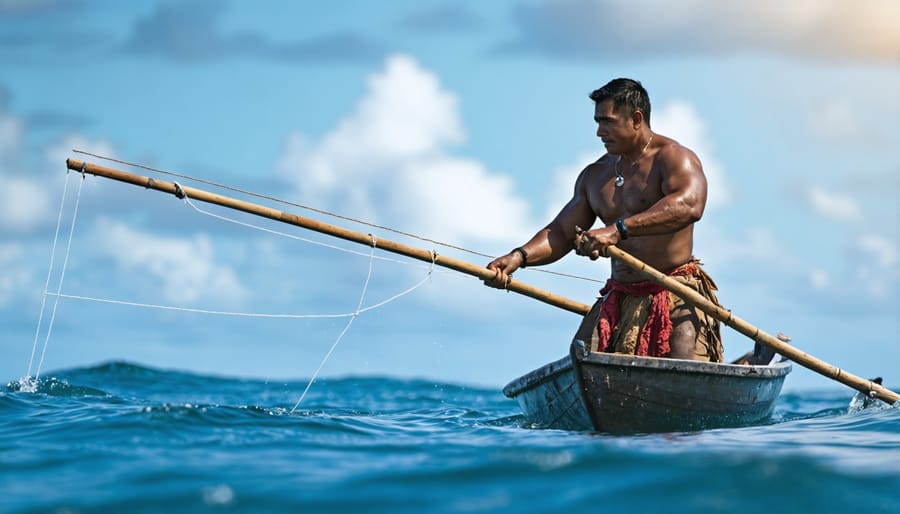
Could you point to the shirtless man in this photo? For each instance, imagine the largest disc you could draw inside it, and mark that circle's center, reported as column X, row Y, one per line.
column 647, row 191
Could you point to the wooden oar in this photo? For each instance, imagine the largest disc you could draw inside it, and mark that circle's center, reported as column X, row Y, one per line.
column 357, row 237
column 725, row 316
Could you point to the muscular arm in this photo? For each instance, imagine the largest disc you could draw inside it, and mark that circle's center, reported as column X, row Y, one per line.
column 684, row 196
column 550, row 243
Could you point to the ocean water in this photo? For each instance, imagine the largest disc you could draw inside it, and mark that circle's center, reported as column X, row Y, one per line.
column 123, row 438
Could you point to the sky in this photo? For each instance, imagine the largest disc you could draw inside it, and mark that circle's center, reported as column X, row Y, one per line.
column 463, row 123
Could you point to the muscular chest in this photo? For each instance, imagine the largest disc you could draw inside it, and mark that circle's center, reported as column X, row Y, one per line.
column 640, row 190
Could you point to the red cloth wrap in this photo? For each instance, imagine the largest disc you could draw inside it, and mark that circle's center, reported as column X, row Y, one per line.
column 654, row 335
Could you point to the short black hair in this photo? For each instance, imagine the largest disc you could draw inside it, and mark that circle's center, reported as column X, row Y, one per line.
column 625, row 93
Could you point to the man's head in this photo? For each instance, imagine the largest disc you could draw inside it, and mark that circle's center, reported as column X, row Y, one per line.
column 625, row 93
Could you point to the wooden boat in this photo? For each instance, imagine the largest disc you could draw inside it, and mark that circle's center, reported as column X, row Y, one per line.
column 627, row 394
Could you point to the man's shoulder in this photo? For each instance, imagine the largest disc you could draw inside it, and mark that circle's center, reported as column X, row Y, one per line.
column 674, row 155
column 595, row 170
column 597, row 165
column 670, row 148
column 604, row 160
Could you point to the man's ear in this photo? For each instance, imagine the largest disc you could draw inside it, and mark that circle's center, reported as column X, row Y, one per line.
column 637, row 117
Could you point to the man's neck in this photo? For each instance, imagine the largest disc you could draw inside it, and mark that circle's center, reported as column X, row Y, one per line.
column 643, row 143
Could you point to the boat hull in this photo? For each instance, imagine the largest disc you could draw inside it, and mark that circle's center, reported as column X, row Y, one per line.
column 625, row 394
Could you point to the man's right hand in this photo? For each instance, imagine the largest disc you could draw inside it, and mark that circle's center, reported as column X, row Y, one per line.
column 503, row 267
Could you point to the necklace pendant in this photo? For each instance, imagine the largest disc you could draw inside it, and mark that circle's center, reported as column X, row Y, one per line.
column 620, row 181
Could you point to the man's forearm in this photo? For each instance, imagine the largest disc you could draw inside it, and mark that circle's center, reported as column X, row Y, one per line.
column 549, row 245
column 665, row 217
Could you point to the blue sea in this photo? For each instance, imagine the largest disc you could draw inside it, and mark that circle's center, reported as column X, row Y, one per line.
column 123, row 438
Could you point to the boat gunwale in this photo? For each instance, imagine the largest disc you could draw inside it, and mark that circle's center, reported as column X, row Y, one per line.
column 664, row 364
column 538, row 376
column 774, row 370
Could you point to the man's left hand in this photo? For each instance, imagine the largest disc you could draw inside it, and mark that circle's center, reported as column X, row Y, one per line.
column 593, row 243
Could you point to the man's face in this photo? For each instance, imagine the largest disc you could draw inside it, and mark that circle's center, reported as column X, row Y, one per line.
column 614, row 128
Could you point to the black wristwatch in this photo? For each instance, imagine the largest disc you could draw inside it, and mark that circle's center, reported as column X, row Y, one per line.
column 623, row 230
column 524, row 255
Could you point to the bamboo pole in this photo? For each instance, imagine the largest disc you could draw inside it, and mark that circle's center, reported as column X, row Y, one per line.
column 429, row 256
column 725, row 316
column 481, row 272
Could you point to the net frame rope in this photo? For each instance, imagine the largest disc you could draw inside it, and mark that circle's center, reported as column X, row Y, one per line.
column 58, row 294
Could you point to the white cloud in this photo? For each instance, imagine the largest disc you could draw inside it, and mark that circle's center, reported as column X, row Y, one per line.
column 27, row 199
column 405, row 113
column 819, row 279
column 874, row 261
column 459, row 200
column 680, row 121
column 387, row 162
column 24, row 204
column 10, row 136
column 56, row 154
column 836, row 121
column 14, row 275
column 882, row 251
column 809, row 28
column 753, row 245
column 833, row 206
column 185, row 267
column 562, row 185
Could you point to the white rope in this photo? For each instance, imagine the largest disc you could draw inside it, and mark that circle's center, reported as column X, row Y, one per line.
column 340, row 336
column 37, row 331
column 236, row 313
column 62, row 275
column 187, row 201
column 352, row 316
